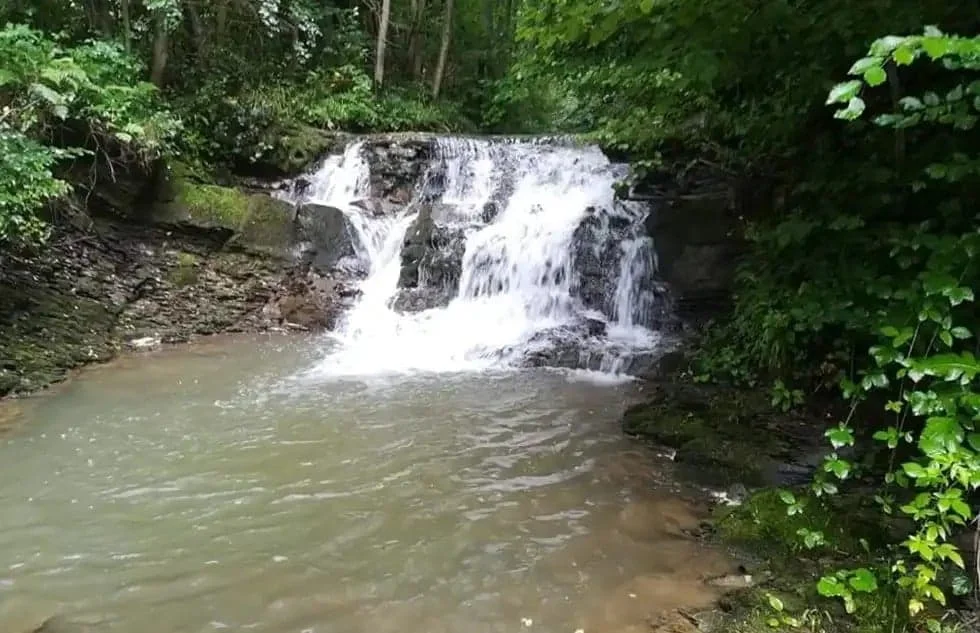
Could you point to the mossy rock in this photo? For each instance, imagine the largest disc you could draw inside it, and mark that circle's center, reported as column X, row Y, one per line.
column 763, row 525
column 61, row 332
column 664, row 424
column 720, row 435
column 268, row 226
column 293, row 150
column 724, row 461
column 255, row 222
column 9, row 381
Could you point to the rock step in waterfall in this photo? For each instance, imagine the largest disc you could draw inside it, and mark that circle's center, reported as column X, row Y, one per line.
column 476, row 253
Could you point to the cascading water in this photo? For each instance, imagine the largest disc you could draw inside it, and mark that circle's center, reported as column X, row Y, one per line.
column 553, row 270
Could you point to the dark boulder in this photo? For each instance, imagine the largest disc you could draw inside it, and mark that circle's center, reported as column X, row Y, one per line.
column 327, row 238
column 698, row 245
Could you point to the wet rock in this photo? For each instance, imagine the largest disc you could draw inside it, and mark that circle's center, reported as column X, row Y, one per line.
column 557, row 347
column 490, row 212
column 432, row 259
column 732, row 581
column 595, row 327
column 420, row 299
column 676, row 621
column 89, row 292
column 327, row 236
column 723, row 435
column 375, row 206
column 599, row 254
column 397, row 164
column 308, row 300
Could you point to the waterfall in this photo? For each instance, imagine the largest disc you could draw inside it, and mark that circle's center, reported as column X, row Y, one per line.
column 522, row 256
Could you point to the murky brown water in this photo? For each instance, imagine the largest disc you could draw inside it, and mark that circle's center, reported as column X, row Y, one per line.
column 211, row 488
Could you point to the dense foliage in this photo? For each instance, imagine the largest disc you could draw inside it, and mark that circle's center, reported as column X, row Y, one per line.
column 61, row 102
column 88, row 87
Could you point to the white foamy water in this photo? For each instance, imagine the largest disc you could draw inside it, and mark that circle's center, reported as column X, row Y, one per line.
column 518, row 280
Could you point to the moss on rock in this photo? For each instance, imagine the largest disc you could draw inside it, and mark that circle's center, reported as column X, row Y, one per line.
column 721, row 434
column 291, row 151
column 268, row 226
column 256, row 222
column 213, row 205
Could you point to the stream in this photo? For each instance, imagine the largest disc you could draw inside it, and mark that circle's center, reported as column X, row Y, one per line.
column 223, row 486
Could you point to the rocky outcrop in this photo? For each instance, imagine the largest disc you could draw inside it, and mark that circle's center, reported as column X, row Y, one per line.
column 290, row 151
column 696, row 225
column 210, row 260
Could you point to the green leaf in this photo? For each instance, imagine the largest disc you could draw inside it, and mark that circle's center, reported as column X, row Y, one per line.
column 844, row 91
column 875, row 76
column 935, row 47
column 889, row 436
column 974, row 441
column 787, row 497
column 911, row 104
column 915, row 606
column 865, row 64
column 774, row 602
column 962, row 585
column 913, row 470
column 863, row 580
column 830, row 587
column 840, row 436
column 855, row 108
column 839, row 467
column 960, row 333
column 946, row 337
column 958, row 294
column 53, row 97
column 903, row 55
column 961, row 508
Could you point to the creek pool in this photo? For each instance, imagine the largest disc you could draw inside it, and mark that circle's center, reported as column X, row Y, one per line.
column 220, row 486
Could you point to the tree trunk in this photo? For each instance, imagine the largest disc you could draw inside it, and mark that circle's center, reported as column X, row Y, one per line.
column 196, row 29
column 221, row 21
column 488, row 63
column 161, row 50
column 447, row 32
column 379, row 61
column 127, row 31
column 416, row 45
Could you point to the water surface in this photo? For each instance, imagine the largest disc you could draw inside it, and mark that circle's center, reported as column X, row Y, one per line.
column 221, row 486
